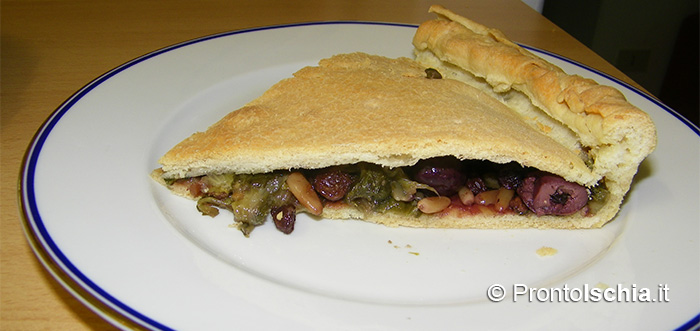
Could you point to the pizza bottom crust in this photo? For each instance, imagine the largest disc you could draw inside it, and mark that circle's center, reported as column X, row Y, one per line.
column 453, row 220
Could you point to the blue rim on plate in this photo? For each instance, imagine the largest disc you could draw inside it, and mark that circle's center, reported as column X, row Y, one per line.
column 86, row 290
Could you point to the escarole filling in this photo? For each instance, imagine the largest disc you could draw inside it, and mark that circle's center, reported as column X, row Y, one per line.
column 435, row 186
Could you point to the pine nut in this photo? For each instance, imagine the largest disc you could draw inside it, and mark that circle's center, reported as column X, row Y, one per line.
column 302, row 190
column 487, row 197
column 466, row 196
column 432, row 205
column 503, row 198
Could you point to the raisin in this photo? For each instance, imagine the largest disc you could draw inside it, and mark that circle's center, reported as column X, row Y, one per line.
column 284, row 218
column 518, row 206
column 476, row 185
column 195, row 186
column 332, row 184
column 510, row 176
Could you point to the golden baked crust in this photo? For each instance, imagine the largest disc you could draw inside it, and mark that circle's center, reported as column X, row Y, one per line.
column 364, row 108
column 616, row 134
column 357, row 107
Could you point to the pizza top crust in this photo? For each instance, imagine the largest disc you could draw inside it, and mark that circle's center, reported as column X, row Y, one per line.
column 364, row 108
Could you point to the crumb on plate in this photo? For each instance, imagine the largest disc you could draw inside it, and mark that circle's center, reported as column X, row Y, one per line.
column 546, row 251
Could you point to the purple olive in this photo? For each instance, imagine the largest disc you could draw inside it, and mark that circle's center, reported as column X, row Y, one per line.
column 547, row 194
column 442, row 174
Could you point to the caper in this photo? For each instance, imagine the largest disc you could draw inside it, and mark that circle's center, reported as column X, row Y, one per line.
column 432, row 74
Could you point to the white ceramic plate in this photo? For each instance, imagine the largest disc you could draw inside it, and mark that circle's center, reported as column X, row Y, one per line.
column 141, row 257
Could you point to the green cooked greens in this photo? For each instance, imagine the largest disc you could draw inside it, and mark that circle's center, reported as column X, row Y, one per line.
column 371, row 188
column 251, row 197
column 381, row 189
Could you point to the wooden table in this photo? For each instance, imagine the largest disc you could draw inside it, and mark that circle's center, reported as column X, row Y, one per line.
column 50, row 49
